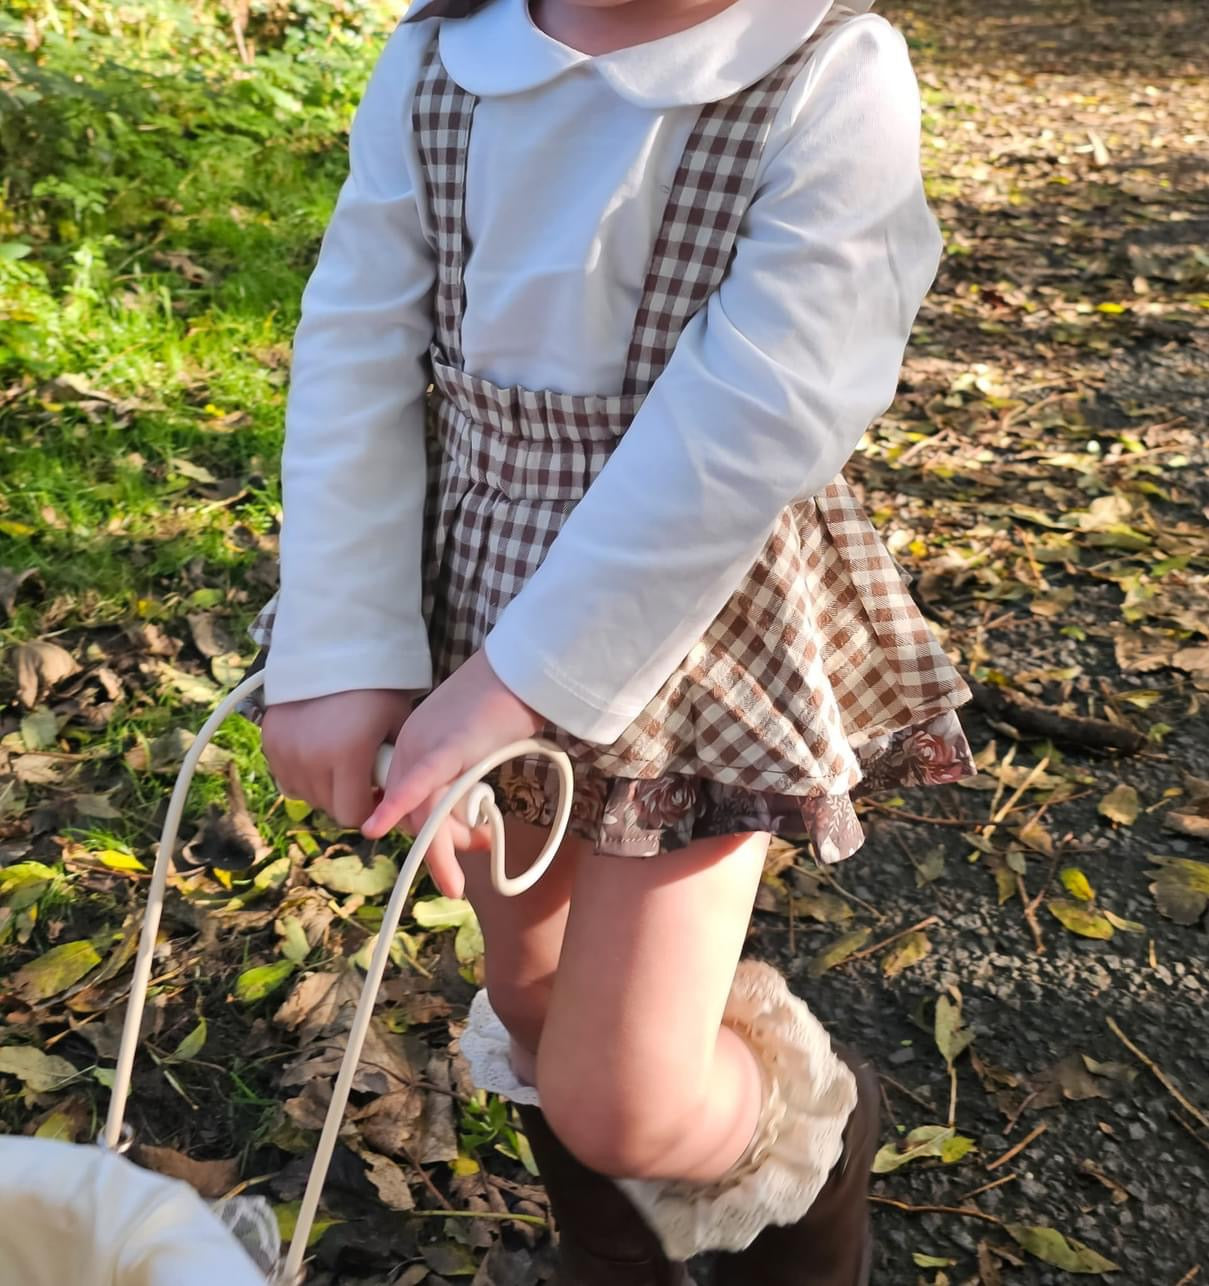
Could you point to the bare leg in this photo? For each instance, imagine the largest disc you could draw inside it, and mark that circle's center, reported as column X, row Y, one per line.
column 523, row 935
column 636, row 1074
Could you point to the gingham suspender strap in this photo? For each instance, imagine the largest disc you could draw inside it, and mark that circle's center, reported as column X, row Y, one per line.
column 442, row 113
column 705, row 207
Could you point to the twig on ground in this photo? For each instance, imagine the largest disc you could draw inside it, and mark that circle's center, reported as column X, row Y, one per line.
column 1038, row 720
column 968, row 1212
column 886, row 1104
column 986, row 1187
column 1164, row 1080
column 1030, row 914
column 926, row 923
column 1035, row 1133
column 1190, row 1276
column 535, row 1220
column 967, row 822
column 1011, row 1125
column 428, row 1183
column 902, row 1089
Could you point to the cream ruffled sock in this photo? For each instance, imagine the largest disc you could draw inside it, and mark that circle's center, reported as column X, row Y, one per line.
column 798, row 1140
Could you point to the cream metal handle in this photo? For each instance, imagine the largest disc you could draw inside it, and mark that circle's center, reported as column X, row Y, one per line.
column 476, row 804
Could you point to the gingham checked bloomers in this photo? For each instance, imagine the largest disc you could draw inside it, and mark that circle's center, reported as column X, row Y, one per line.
column 819, row 677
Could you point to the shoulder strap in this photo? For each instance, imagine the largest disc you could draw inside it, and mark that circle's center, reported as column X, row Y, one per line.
column 444, row 9
column 705, row 208
column 442, row 113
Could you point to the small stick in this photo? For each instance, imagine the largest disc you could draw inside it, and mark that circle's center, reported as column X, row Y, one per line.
column 1159, row 1075
column 952, row 1095
column 967, row 822
column 535, row 1220
column 886, row 1104
column 1011, row 1125
column 926, row 923
column 1191, row 1275
column 1179, row 1120
column 1035, row 1133
column 902, row 1089
column 428, row 1183
column 986, row 1187
column 1030, row 915
column 967, row 1211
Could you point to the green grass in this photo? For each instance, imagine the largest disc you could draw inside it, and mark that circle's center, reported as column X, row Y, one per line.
column 162, row 202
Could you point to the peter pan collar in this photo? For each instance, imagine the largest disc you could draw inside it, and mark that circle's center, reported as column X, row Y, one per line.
column 498, row 50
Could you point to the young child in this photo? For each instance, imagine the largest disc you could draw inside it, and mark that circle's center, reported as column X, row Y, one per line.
column 658, row 261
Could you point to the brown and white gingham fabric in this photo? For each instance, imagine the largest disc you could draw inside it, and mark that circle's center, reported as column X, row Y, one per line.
column 819, row 664
column 819, row 652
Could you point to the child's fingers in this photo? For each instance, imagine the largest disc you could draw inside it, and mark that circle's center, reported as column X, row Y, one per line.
column 408, row 786
column 352, row 792
column 443, row 865
column 459, row 832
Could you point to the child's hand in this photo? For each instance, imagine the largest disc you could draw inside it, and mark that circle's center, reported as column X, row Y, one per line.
column 323, row 750
column 468, row 717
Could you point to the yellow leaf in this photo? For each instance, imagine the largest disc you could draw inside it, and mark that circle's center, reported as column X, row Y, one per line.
column 116, row 860
column 839, row 951
column 61, row 967
column 1080, row 919
column 1076, row 884
column 906, row 952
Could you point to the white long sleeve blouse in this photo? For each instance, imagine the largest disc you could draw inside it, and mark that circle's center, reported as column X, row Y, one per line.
column 768, row 392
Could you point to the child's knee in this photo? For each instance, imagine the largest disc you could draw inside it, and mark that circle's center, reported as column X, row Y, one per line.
column 521, row 1007
column 615, row 1125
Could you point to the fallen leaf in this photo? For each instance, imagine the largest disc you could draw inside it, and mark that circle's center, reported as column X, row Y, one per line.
column 906, row 952
column 1051, row 1247
column 191, row 1046
column 262, row 980
column 951, row 1037
column 1181, row 888
column 1076, row 884
column 10, row 586
column 349, row 874
column 1117, row 922
column 209, row 1178
column 931, row 866
column 838, row 951
column 230, row 840
column 450, row 913
column 1080, row 919
column 389, row 1181
column 920, row 1260
column 40, row 1072
column 55, row 971
column 940, row 1141
column 827, row 908
column 39, row 729
column 116, row 860
column 96, row 806
column 167, row 753
column 1120, row 805
column 287, row 1221
column 40, row 668
column 210, row 636
column 389, row 1123
column 191, row 688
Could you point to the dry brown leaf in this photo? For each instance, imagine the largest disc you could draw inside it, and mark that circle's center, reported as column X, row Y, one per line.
column 211, row 1179
column 40, row 667
column 210, row 635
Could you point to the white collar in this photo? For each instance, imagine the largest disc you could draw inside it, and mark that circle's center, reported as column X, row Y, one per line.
column 499, row 50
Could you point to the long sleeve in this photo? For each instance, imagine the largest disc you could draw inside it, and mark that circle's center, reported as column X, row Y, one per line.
column 353, row 470
column 766, row 396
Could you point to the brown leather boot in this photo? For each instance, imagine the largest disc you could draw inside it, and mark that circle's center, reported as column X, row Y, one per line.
column 832, row 1245
column 603, row 1240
